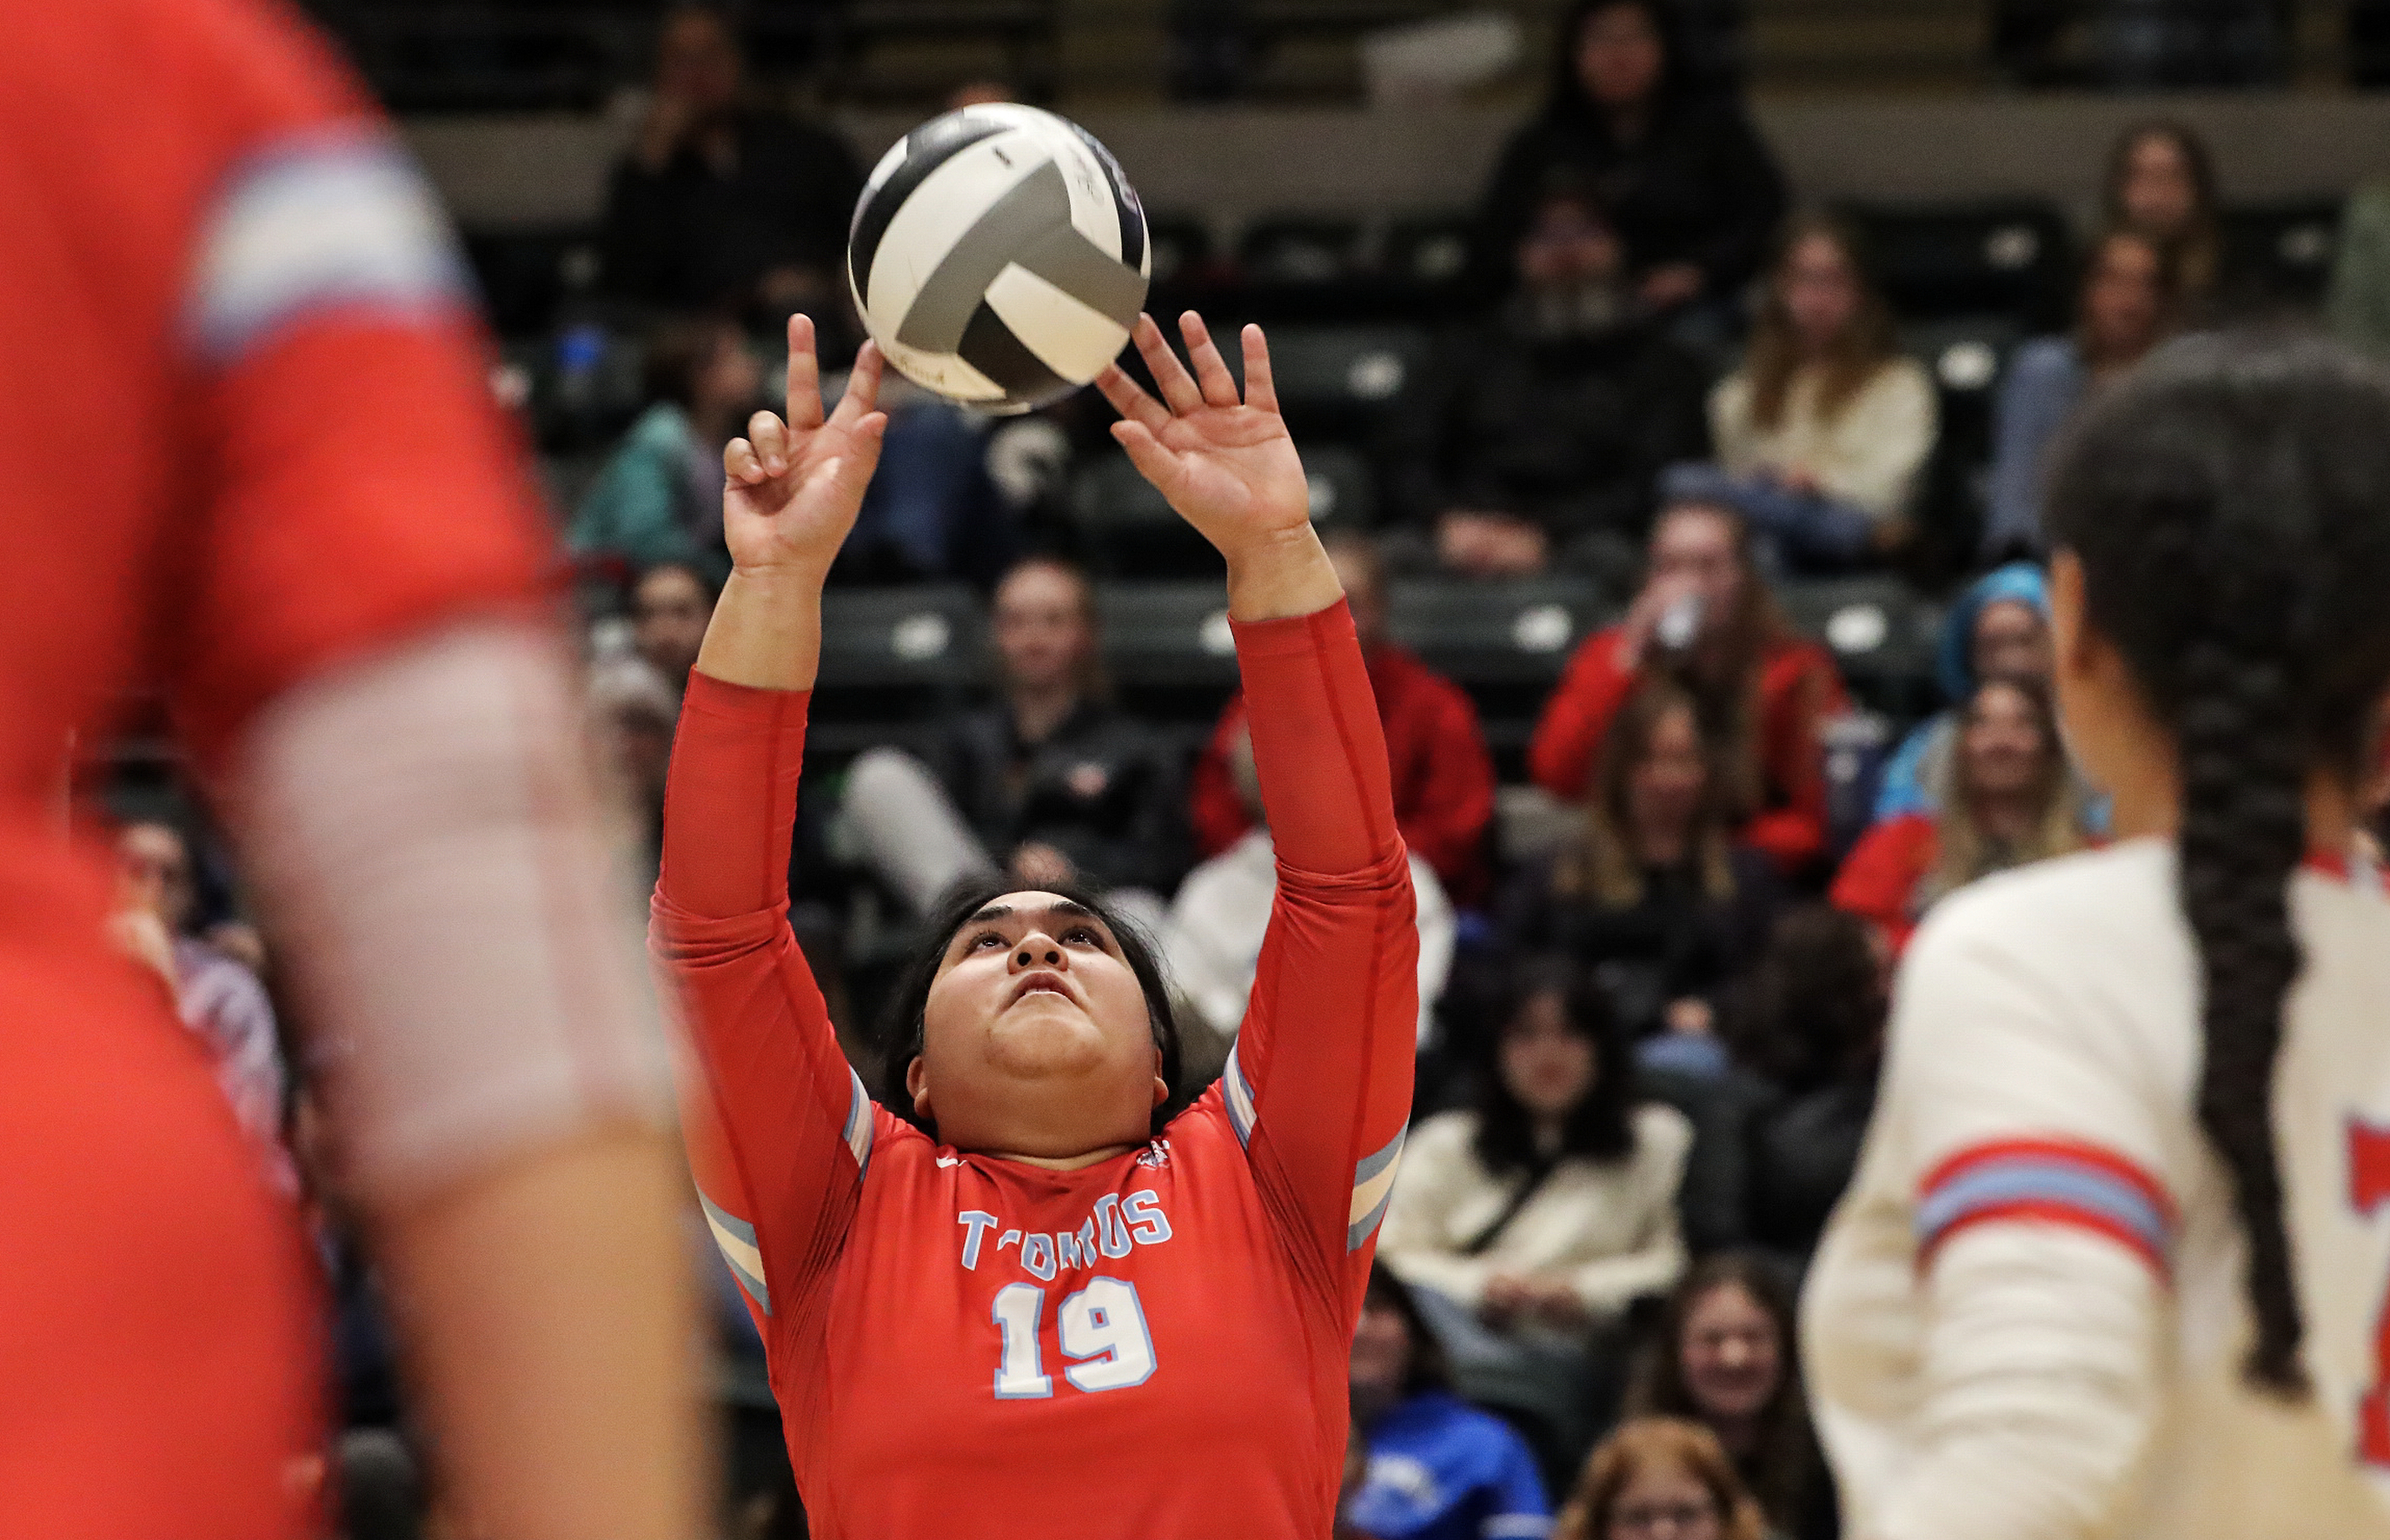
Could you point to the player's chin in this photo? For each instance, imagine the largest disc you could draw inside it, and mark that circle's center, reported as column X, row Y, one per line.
column 1044, row 1033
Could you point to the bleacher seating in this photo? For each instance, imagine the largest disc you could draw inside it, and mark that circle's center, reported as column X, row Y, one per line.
column 1967, row 357
column 1167, row 645
column 2010, row 257
column 890, row 659
column 1505, row 643
column 2283, row 251
column 1882, row 635
column 1339, row 381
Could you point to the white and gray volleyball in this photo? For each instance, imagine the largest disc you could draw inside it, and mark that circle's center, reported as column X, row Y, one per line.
column 999, row 256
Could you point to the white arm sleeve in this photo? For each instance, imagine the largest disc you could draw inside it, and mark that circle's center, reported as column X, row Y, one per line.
column 2036, row 1139
column 428, row 846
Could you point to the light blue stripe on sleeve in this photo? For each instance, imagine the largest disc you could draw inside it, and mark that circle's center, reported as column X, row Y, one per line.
column 336, row 217
column 1239, row 1097
column 735, row 1240
column 2039, row 1179
column 1373, row 1188
column 857, row 1131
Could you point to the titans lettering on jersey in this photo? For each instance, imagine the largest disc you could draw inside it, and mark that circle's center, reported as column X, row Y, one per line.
column 1117, row 1226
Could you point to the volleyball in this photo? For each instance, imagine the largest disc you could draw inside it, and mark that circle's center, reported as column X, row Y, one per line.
column 999, row 256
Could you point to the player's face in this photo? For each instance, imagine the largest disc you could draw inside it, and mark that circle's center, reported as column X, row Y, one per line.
column 1729, row 1354
column 1663, row 1500
column 2003, row 743
column 2012, row 642
column 1547, row 1064
column 1036, row 1040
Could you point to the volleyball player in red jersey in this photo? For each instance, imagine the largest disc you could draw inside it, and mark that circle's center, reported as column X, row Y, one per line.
column 1010, row 1298
column 250, row 460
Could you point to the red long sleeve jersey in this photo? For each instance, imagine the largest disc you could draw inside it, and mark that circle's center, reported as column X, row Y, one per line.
column 245, row 437
column 1151, row 1347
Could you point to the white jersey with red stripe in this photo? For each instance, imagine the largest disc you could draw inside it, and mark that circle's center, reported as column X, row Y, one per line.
column 2027, row 1319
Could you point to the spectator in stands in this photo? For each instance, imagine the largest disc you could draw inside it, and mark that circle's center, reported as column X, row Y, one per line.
column 1212, row 939
column 1438, row 1468
column 721, row 204
column 1761, row 689
column 1530, row 1222
column 2007, row 798
column 1687, row 182
column 660, row 497
column 1443, row 774
column 1537, row 436
column 2360, row 304
column 1999, row 629
column 2124, row 309
column 1812, row 1032
column 671, row 605
column 219, row 1000
column 1823, row 433
column 1726, row 1360
column 1652, row 893
column 1660, row 1476
column 1052, row 782
column 2161, row 183
column 635, row 694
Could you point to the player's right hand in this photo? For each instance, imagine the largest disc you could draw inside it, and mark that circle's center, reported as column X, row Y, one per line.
column 792, row 487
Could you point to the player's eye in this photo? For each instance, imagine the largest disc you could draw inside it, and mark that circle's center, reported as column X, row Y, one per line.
column 1086, row 934
column 985, row 937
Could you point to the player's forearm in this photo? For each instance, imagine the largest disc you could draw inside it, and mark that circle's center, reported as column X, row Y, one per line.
column 551, row 1332
column 766, row 630
column 1280, row 576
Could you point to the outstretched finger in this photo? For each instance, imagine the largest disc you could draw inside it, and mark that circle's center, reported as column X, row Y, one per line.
column 1153, row 462
column 771, row 442
column 1261, row 387
column 1130, row 400
column 862, row 388
column 739, row 463
column 804, row 375
column 1211, row 370
column 1177, row 387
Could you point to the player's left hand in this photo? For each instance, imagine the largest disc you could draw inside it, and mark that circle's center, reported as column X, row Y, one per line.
column 1227, row 465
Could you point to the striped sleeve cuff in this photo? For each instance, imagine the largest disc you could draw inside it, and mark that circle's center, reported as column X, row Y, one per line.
column 2052, row 1182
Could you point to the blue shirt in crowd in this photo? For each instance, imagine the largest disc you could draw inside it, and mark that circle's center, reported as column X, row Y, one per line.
column 1441, row 1469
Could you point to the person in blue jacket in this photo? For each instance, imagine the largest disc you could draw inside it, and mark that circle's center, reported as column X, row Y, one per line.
column 1438, row 1468
column 2000, row 628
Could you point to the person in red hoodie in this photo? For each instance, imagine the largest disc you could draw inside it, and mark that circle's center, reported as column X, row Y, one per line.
column 1444, row 776
column 1706, row 617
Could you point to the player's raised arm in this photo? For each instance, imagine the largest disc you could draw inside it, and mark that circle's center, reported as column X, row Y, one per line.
column 778, row 1126
column 1319, row 1085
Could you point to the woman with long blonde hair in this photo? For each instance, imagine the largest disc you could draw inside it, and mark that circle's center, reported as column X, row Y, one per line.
column 1823, row 433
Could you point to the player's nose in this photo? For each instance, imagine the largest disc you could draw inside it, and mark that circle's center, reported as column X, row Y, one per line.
column 1039, row 950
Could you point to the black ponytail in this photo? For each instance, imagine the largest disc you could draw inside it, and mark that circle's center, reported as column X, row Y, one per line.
column 2230, row 506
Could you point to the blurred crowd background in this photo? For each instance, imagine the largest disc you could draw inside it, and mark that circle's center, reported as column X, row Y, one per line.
column 1689, row 515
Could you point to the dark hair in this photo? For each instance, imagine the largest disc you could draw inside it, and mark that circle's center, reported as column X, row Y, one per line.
column 1567, row 100
column 1787, row 1460
column 2226, row 504
column 1602, row 865
column 679, row 350
column 1430, row 1370
column 2193, row 262
column 1600, row 1126
column 2169, row 281
column 1814, row 1011
column 901, row 1020
column 1866, row 345
column 697, row 575
column 1725, row 682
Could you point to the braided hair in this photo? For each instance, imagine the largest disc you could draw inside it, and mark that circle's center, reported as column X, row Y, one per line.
column 2226, row 506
